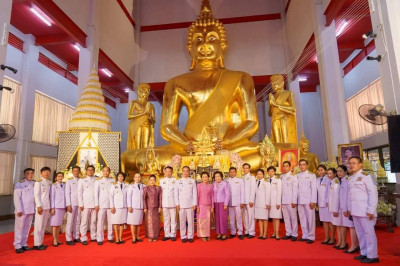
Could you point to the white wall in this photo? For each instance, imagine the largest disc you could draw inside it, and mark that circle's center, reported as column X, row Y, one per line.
column 361, row 76
column 311, row 109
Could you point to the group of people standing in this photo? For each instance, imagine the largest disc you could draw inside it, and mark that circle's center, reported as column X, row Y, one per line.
column 343, row 201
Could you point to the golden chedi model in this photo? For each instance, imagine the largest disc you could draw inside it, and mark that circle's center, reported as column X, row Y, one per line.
column 142, row 116
column 216, row 98
column 305, row 154
column 91, row 113
column 282, row 110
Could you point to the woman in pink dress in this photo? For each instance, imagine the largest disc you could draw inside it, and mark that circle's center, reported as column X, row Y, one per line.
column 152, row 204
column 222, row 195
column 205, row 207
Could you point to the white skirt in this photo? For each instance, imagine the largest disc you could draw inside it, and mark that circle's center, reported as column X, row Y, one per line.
column 261, row 213
column 136, row 217
column 119, row 217
column 324, row 214
column 274, row 213
column 337, row 221
column 345, row 220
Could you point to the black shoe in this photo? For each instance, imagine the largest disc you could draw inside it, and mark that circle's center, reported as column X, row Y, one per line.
column 55, row 245
column 26, row 248
column 118, row 242
column 44, row 246
column 352, row 251
column 99, row 243
column 232, row 236
column 19, row 250
column 246, row 235
column 122, row 242
column 250, row 237
column 265, row 238
column 325, row 242
column 272, row 236
column 77, row 240
column 277, row 238
column 286, row 237
column 260, row 237
column 191, row 240
column 39, row 247
column 165, row 239
column 368, row 260
column 309, row 241
column 173, row 239
column 241, row 237
column 223, row 238
column 293, row 238
column 343, row 248
column 93, row 240
column 361, row 257
column 139, row 240
column 184, row 240
column 70, row 243
column 84, row 243
column 302, row 239
column 133, row 242
column 111, row 241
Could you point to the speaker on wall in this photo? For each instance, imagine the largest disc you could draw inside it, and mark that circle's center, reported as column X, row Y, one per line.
column 394, row 142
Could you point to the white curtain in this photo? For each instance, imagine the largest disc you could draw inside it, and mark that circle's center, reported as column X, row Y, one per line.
column 9, row 108
column 7, row 163
column 49, row 117
column 38, row 163
column 358, row 127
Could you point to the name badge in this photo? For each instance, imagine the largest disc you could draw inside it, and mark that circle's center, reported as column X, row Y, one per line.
column 359, row 178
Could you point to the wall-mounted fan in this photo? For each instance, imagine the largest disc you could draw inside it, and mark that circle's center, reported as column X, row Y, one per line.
column 7, row 132
column 374, row 114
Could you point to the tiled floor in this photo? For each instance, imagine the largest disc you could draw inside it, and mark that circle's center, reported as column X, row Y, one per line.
column 6, row 226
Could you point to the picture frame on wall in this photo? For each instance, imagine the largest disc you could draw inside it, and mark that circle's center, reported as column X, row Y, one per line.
column 88, row 156
column 346, row 151
column 290, row 155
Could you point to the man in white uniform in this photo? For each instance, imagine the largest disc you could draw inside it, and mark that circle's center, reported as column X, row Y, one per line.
column 168, row 203
column 290, row 188
column 249, row 197
column 73, row 212
column 236, row 203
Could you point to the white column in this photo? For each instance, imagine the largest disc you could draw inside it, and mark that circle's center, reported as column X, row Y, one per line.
column 294, row 86
column 89, row 56
column 5, row 15
column 27, row 106
column 386, row 24
column 330, row 76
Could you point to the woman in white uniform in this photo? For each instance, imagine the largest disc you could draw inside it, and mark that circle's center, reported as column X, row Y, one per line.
column 118, row 206
column 262, row 202
column 324, row 215
column 333, row 202
column 276, row 197
column 135, row 207
column 57, row 203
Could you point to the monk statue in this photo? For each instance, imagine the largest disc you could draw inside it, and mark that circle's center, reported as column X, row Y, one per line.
column 215, row 97
column 305, row 154
column 282, row 110
column 142, row 116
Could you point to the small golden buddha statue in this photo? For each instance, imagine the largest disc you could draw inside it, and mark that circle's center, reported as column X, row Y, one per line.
column 142, row 116
column 282, row 110
column 267, row 151
column 312, row 158
column 151, row 164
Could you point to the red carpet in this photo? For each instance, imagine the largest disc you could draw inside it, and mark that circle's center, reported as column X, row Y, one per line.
column 231, row 252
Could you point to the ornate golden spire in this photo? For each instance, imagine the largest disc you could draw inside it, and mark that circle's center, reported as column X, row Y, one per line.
column 303, row 138
column 91, row 113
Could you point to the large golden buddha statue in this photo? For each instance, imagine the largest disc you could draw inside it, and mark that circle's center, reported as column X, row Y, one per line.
column 221, row 100
column 282, row 110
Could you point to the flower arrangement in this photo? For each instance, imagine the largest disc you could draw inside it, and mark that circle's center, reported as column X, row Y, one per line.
column 385, row 208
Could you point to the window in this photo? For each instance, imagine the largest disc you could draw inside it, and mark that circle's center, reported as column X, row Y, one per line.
column 9, row 108
column 358, row 127
column 38, row 163
column 7, row 163
column 49, row 117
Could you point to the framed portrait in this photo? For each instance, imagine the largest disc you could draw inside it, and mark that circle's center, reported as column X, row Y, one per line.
column 290, row 155
column 345, row 151
column 88, row 156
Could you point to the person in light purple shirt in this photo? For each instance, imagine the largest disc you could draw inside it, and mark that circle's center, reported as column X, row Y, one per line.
column 205, row 207
column 222, row 196
column 57, row 204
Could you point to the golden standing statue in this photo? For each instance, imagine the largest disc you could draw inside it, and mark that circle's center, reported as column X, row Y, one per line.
column 282, row 110
column 305, row 154
column 142, row 116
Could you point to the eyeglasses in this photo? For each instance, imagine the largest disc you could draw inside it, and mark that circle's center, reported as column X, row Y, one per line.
column 353, row 163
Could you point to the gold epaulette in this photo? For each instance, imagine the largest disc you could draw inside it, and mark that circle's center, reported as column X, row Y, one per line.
column 311, row 172
column 126, row 182
column 70, row 178
column 292, row 173
column 347, row 178
column 364, row 173
column 40, row 180
column 336, row 180
column 277, row 177
column 114, row 183
column 22, row 180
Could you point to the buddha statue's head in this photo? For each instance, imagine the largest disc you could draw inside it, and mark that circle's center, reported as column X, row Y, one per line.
column 206, row 40
column 304, row 144
column 277, row 82
column 143, row 92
